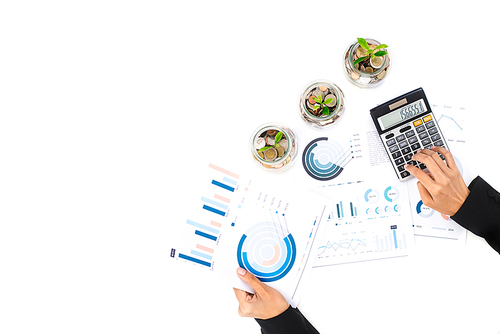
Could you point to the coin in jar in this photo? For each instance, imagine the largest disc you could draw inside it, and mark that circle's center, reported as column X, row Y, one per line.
column 259, row 143
column 334, row 100
column 283, row 143
column 270, row 154
column 280, row 150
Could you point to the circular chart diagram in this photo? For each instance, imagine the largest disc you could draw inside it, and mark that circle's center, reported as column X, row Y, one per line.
column 423, row 210
column 267, row 252
column 324, row 159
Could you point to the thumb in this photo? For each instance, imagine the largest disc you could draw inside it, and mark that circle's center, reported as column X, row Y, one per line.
column 249, row 278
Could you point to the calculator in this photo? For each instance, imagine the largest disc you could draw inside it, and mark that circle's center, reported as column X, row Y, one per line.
column 406, row 124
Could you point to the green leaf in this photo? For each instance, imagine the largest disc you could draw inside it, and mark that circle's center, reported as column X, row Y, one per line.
column 278, row 137
column 380, row 53
column 265, row 148
column 326, row 111
column 328, row 101
column 320, row 98
column 315, row 108
column 359, row 60
column 381, row 46
column 363, row 43
column 316, row 99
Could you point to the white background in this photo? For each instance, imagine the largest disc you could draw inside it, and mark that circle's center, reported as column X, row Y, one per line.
column 108, row 108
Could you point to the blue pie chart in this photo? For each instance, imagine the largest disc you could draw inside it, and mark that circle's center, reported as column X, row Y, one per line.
column 323, row 159
column 267, row 252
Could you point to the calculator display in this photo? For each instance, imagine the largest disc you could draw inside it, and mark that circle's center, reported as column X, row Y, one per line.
column 402, row 114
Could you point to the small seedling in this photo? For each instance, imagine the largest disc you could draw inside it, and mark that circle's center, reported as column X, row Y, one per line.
column 371, row 53
column 322, row 104
column 277, row 139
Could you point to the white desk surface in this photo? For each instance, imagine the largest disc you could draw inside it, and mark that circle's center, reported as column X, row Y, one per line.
column 108, row 107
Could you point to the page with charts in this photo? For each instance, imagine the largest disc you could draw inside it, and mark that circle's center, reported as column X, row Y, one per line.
column 236, row 222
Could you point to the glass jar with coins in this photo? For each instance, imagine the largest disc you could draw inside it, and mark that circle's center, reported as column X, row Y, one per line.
column 321, row 104
column 371, row 71
column 273, row 146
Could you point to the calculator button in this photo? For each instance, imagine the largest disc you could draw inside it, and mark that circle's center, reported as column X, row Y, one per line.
column 396, row 155
column 430, row 124
column 413, row 140
column 406, row 150
column 423, row 135
column 406, row 128
column 438, row 143
column 415, row 146
column 420, row 129
column 404, row 174
column 391, row 142
column 427, row 118
column 410, row 134
column 426, row 141
column 422, row 166
column 436, row 137
column 400, row 137
column 399, row 161
column 389, row 136
column 417, row 122
column 433, row 130
column 394, row 148
column 401, row 168
column 408, row 157
column 403, row 144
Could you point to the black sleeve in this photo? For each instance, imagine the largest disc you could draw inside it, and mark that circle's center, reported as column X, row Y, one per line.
column 480, row 212
column 289, row 322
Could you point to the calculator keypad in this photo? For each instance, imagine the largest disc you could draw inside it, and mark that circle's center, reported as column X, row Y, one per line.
column 404, row 142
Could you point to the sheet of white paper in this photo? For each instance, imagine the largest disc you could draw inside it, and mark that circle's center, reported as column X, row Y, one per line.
column 269, row 230
column 427, row 222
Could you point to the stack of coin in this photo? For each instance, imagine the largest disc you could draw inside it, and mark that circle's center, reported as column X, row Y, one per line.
column 273, row 155
column 311, row 111
column 368, row 72
column 324, row 93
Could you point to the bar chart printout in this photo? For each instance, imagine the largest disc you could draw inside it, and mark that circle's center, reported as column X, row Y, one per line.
column 203, row 229
column 238, row 222
column 368, row 221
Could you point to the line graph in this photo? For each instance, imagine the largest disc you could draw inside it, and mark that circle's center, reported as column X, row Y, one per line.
column 352, row 244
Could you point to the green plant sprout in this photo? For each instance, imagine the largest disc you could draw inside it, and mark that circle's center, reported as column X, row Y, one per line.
column 277, row 139
column 322, row 104
column 371, row 53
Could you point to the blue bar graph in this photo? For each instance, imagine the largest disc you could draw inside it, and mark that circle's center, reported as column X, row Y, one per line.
column 206, row 228
column 219, row 212
column 205, row 235
column 222, row 185
column 189, row 258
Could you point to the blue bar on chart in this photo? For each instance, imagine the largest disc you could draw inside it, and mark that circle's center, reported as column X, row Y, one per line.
column 393, row 228
column 200, row 254
column 205, row 235
column 222, row 185
column 228, row 180
column 340, row 209
column 204, row 227
column 214, row 210
column 195, row 260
